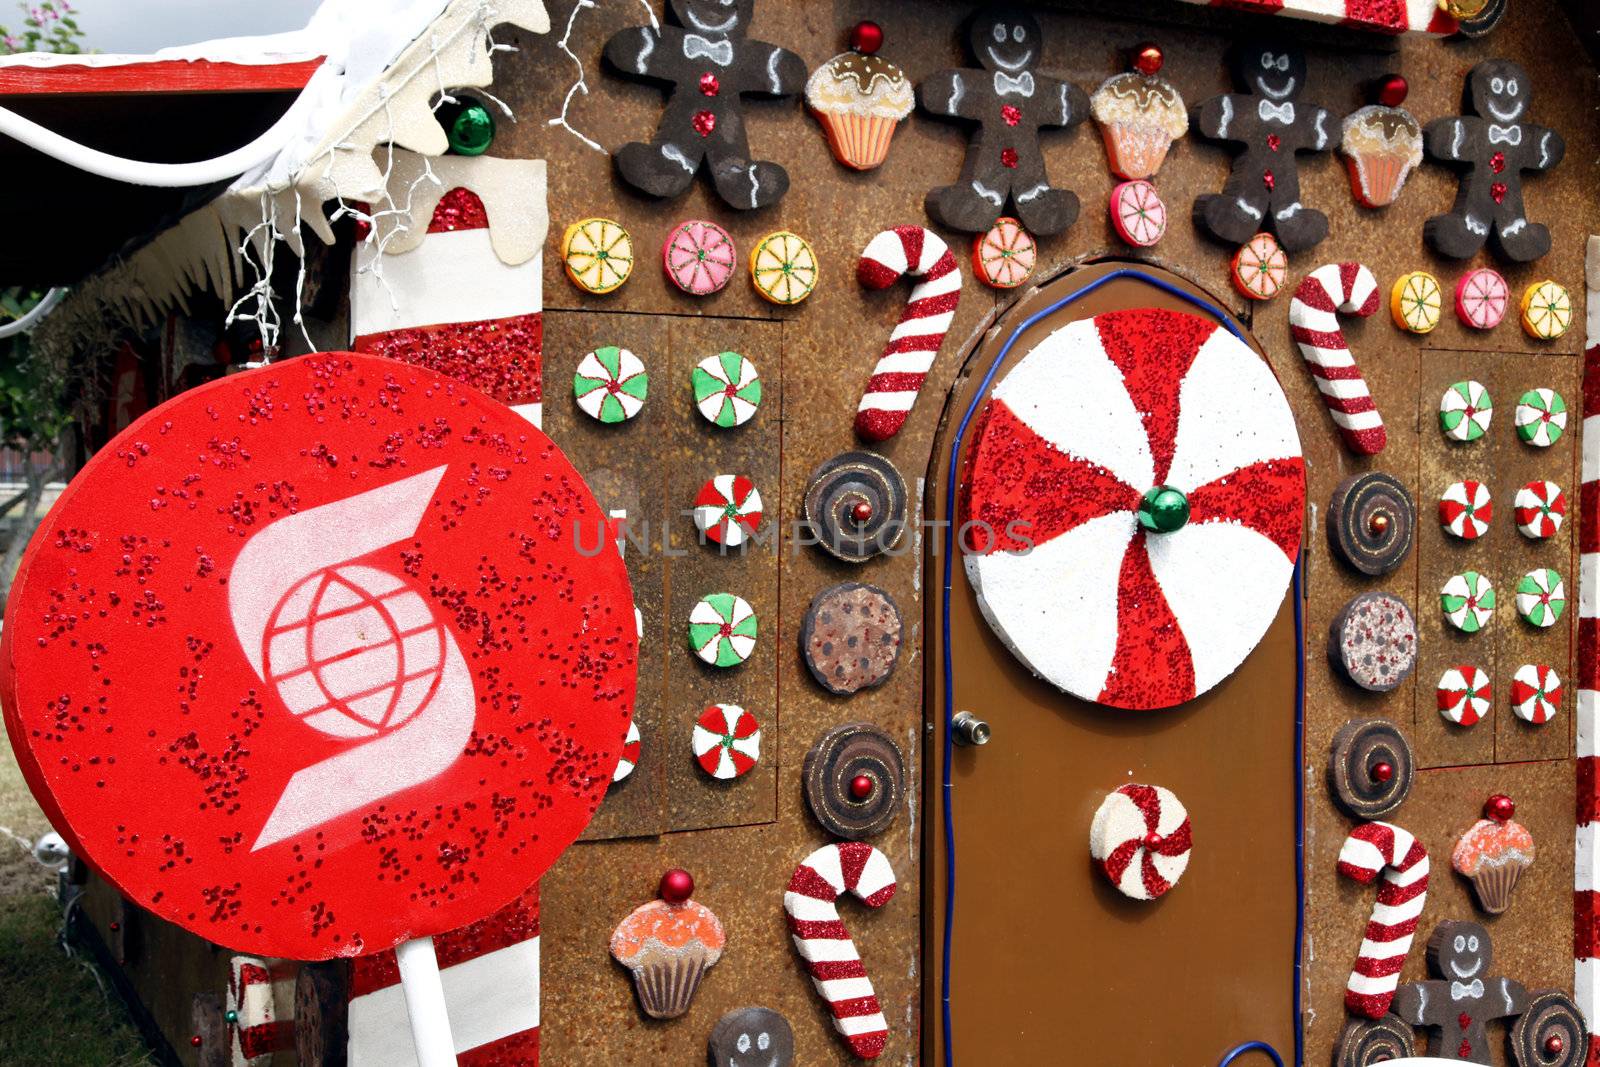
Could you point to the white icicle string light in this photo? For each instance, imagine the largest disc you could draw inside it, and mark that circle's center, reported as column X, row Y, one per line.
column 582, row 85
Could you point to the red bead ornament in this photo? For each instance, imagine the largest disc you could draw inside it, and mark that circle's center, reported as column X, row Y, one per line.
column 704, row 122
column 1378, row 524
column 196, row 1041
column 1148, row 59
column 1008, row 157
column 862, row 512
column 861, row 787
column 709, row 85
column 1554, row 1046
column 1153, row 840
column 1392, row 91
column 1499, row 808
column 1382, row 772
column 1011, row 114
column 866, row 37
column 677, row 886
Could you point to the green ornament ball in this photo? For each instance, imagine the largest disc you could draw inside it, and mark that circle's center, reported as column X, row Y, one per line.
column 1164, row 510
column 469, row 126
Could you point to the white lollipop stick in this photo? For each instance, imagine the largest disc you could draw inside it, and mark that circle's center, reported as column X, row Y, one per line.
column 424, row 991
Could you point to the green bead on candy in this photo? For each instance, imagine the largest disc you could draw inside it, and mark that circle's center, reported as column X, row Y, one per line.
column 468, row 126
column 1164, row 510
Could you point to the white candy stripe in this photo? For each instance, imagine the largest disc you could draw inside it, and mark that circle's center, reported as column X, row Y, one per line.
column 1586, row 862
column 876, row 419
column 867, row 1025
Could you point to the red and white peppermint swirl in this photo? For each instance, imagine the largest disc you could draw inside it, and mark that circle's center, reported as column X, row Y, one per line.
column 727, row 741
column 630, row 754
column 907, row 358
column 823, row 942
column 1328, row 291
column 1101, row 412
column 1540, row 508
column 728, row 509
column 1464, row 695
column 1372, row 849
column 1141, row 839
column 1466, row 509
column 1536, row 693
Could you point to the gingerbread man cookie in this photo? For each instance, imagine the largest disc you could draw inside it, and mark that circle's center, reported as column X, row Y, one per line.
column 1011, row 101
column 710, row 64
column 1464, row 997
column 1495, row 147
column 1268, row 119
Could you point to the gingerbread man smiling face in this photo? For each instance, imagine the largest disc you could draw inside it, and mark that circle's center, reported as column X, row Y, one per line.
column 1465, row 997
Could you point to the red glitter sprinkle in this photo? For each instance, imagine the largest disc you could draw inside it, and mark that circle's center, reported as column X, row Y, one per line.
column 1268, row 180
column 709, row 84
column 499, row 356
column 1009, row 157
column 1498, row 191
column 1011, row 114
column 1274, row 142
column 704, row 122
column 459, row 209
column 1497, row 162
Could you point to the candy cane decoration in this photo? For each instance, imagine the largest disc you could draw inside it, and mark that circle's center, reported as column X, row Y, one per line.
column 1373, row 848
column 1314, row 324
column 907, row 357
column 824, row 943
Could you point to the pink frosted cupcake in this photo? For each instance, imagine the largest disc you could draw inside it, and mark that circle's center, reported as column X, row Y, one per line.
column 1493, row 854
column 669, row 948
column 1139, row 115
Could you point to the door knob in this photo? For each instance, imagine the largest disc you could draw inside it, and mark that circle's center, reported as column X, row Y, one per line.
column 969, row 729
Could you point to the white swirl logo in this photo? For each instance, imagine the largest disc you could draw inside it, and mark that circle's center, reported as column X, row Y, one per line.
column 353, row 651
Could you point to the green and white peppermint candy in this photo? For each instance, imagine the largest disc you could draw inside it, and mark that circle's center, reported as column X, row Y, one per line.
column 1468, row 601
column 611, row 384
column 1465, row 411
column 727, row 389
column 1541, row 417
column 722, row 629
column 1541, row 597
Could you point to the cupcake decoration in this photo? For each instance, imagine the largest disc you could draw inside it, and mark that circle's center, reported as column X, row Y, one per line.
column 1493, row 854
column 1382, row 145
column 668, row 945
column 1139, row 114
column 859, row 98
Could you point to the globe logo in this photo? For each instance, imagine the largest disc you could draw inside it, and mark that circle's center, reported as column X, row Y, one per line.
column 353, row 651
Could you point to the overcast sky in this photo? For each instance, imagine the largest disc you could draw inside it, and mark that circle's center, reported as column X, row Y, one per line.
column 146, row 25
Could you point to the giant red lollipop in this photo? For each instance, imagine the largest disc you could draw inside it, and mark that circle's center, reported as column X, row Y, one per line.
column 307, row 660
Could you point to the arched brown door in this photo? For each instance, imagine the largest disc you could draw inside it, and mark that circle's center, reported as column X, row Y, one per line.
column 1048, row 963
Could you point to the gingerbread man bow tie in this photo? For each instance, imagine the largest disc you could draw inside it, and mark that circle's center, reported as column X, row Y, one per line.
column 1282, row 114
column 1006, row 85
column 1462, row 990
column 719, row 52
column 1511, row 135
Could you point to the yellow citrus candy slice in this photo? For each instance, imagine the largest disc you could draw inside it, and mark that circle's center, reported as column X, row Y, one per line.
column 598, row 254
column 1416, row 302
column 784, row 267
column 1546, row 310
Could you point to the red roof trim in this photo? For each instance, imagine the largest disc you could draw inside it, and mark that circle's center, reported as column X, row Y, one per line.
column 155, row 76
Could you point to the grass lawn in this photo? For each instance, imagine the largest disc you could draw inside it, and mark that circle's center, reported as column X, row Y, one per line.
column 53, row 1012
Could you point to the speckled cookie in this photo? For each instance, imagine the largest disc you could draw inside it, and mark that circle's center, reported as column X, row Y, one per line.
column 1374, row 641
column 851, row 637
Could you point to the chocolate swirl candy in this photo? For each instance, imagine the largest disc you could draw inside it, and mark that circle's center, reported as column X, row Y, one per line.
column 1371, row 521
column 1550, row 1033
column 856, row 506
column 1370, row 768
column 1368, row 1042
column 854, row 779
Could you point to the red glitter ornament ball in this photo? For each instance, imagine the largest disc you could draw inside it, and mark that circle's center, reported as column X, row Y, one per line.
column 1382, row 772
column 1153, row 840
column 1148, row 59
column 861, row 787
column 1392, row 91
column 196, row 1041
column 1499, row 808
column 677, row 886
column 866, row 37
column 1554, row 1046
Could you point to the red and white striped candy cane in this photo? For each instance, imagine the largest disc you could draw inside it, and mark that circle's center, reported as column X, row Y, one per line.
column 907, row 357
column 1373, row 848
column 824, row 943
column 1314, row 324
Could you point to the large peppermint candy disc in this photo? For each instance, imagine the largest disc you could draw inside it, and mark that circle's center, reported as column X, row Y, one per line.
column 727, row 510
column 610, row 384
column 727, row 389
column 1468, row 601
column 1536, row 693
column 1465, row 411
column 1466, row 509
column 727, row 741
column 632, row 746
column 1540, row 508
column 1141, row 840
column 1541, row 597
column 295, row 660
column 1134, row 506
column 722, row 629
column 1464, row 694
column 1541, row 417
